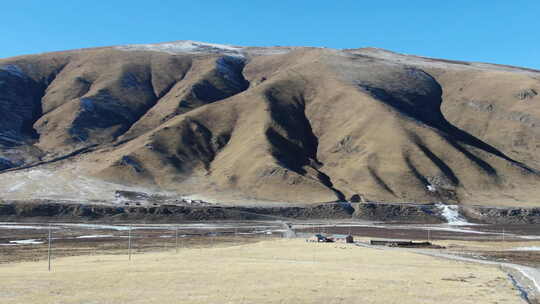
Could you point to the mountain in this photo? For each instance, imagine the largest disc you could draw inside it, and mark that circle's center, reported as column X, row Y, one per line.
column 268, row 124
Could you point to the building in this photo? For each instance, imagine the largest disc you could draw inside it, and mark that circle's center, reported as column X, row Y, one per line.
column 339, row 238
column 400, row 243
column 319, row 238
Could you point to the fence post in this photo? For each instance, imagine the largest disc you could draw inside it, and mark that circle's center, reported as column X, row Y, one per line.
column 49, row 247
column 176, row 233
column 129, row 243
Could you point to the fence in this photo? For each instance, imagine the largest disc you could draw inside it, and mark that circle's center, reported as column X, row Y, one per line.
column 23, row 242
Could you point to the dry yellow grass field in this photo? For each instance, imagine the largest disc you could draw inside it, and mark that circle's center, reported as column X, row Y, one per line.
column 277, row 271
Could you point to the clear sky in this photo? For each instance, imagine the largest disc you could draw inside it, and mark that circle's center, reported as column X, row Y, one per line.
column 497, row 31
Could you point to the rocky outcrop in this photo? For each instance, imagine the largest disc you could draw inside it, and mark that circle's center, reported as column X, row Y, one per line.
column 493, row 215
column 139, row 210
column 405, row 213
column 526, row 94
column 48, row 210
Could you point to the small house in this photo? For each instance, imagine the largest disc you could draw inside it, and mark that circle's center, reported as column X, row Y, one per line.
column 319, row 238
column 343, row 238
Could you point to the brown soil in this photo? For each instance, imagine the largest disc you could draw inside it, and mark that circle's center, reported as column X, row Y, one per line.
column 528, row 258
column 65, row 243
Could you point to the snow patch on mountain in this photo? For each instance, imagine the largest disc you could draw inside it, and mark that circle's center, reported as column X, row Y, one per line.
column 451, row 214
column 185, row 46
column 13, row 69
column 54, row 183
column 420, row 61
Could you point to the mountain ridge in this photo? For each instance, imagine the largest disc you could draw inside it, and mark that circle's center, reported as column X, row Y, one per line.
column 216, row 47
column 287, row 124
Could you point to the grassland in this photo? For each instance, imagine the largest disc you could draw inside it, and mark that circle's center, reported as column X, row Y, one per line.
column 271, row 271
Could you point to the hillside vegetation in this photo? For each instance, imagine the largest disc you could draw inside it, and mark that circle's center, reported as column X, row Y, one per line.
column 300, row 125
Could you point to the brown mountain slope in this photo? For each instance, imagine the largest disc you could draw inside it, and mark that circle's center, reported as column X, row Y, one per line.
column 297, row 125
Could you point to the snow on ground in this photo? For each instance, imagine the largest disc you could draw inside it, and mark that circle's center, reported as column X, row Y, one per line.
column 185, row 46
column 27, row 242
column 435, row 62
column 65, row 183
column 97, row 226
column 69, row 183
column 194, row 47
column 531, row 237
column 95, row 236
column 531, row 248
column 16, row 226
column 452, row 216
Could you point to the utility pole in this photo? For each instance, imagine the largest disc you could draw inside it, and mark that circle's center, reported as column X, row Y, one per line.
column 176, row 239
column 129, row 243
column 49, row 249
column 429, row 234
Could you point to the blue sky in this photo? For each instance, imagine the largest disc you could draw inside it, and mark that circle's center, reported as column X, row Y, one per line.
column 498, row 31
